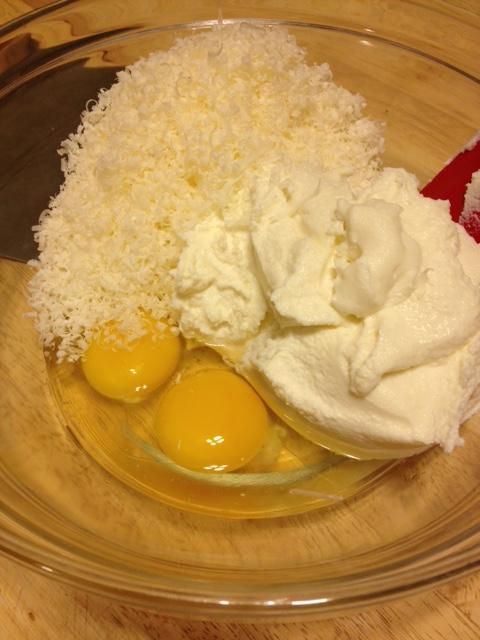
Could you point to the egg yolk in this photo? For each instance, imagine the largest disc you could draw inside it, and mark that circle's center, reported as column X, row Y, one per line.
column 211, row 421
column 130, row 373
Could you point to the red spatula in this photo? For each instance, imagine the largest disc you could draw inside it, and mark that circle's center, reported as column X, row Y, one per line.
column 451, row 184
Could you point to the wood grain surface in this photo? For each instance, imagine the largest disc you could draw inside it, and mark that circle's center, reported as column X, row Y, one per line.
column 35, row 608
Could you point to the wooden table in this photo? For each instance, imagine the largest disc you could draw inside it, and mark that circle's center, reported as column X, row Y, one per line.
column 34, row 608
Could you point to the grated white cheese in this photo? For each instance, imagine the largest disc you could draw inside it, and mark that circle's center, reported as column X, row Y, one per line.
column 180, row 136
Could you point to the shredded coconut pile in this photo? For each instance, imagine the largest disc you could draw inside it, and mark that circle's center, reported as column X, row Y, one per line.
column 181, row 135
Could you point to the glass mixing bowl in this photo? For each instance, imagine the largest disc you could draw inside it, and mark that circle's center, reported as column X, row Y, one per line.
column 60, row 512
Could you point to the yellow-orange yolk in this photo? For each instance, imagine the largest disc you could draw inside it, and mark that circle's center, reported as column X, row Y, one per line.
column 211, row 421
column 130, row 373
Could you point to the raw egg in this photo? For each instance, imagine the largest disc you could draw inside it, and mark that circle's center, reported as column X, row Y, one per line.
column 131, row 371
column 211, row 421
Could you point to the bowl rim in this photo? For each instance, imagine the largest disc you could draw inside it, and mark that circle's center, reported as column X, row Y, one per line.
column 34, row 548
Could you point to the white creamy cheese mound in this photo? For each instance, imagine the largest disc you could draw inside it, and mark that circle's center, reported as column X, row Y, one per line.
column 401, row 364
column 217, row 293
column 295, row 256
column 374, row 303
column 181, row 136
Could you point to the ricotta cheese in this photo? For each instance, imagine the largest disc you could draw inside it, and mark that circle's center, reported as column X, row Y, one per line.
column 399, row 367
column 217, row 293
column 293, row 235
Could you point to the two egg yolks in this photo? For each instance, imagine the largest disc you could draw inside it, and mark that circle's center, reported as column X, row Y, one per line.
column 131, row 373
column 211, row 420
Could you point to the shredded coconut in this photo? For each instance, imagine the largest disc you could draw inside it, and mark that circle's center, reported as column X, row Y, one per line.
column 179, row 137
